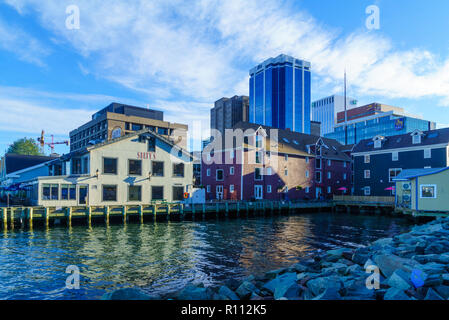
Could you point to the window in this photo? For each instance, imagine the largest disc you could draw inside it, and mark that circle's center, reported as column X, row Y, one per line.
column 427, row 153
column 268, row 154
column 50, row 192
column 345, row 176
column 158, row 169
column 307, row 159
column 428, row 191
column 367, row 191
column 367, row 158
column 157, row 193
column 378, row 144
column 345, row 164
column 259, row 141
column 231, row 188
column 178, row 170
column 134, row 193
column 286, row 157
column 109, row 193
column 208, row 189
column 416, row 139
column 393, row 173
column 329, row 189
column 268, row 172
column 307, row 173
column 110, row 165
column 329, row 163
column 178, row 193
column 286, row 172
column 269, row 188
column 258, row 157
column 395, row 156
column 162, row 131
column 231, row 171
column 136, row 127
column 307, row 189
column 232, row 154
column 318, row 163
column 68, row 192
column 367, row 174
column 220, row 175
column 318, row 176
column 134, row 167
column 329, row 175
column 152, row 144
column 208, row 172
column 258, row 174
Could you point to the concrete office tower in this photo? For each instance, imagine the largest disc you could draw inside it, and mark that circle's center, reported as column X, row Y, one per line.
column 227, row 112
column 279, row 94
column 325, row 110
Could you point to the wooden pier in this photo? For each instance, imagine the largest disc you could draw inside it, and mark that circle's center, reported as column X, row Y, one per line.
column 364, row 204
column 49, row 216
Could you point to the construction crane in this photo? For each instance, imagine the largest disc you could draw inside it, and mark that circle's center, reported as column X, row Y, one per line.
column 51, row 144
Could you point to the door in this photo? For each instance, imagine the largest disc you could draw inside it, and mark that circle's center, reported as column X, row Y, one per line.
column 318, row 193
column 83, row 195
column 258, row 192
column 219, row 191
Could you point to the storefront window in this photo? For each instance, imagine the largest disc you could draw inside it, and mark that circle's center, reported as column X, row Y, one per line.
column 109, row 193
column 178, row 170
column 178, row 193
column 134, row 193
column 158, row 168
column 157, row 193
column 135, row 167
column 109, row 165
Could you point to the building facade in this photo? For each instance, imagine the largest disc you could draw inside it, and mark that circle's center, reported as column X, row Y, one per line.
column 375, row 119
column 227, row 112
column 325, row 110
column 272, row 164
column 118, row 120
column 138, row 168
column 378, row 161
column 280, row 94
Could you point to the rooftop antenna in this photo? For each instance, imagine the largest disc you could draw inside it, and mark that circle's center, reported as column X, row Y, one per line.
column 346, row 116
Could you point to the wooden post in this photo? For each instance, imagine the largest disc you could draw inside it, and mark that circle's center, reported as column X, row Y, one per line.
column 46, row 218
column 125, row 218
column 69, row 216
column 227, row 209
column 106, row 212
column 30, row 216
column 141, row 213
column 89, row 216
column 155, row 211
column 169, row 208
column 204, row 211
column 5, row 218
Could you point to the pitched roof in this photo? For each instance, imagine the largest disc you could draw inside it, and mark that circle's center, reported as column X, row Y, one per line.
column 413, row 173
column 296, row 143
column 432, row 137
column 16, row 162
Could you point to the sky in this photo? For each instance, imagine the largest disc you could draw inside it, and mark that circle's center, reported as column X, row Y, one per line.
column 181, row 56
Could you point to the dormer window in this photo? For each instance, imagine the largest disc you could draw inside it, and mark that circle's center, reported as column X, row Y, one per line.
column 378, row 144
column 416, row 139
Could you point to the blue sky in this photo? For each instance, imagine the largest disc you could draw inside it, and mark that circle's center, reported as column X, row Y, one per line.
column 180, row 56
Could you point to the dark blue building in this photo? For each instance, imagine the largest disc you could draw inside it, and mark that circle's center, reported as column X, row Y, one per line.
column 379, row 160
column 280, row 94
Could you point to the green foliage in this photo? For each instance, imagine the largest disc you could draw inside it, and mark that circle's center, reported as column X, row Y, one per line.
column 26, row 147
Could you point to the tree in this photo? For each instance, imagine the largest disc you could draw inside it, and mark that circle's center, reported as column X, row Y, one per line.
column 26, row 147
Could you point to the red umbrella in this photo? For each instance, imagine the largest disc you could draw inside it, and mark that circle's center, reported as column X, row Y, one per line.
column 342, row 189
column 390, row 189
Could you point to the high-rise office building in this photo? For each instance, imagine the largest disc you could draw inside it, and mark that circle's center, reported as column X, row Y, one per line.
column 280, row 94
column 325, row 111
column 227, row 112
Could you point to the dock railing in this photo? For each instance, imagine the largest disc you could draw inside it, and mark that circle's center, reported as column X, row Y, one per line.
column 364, row 200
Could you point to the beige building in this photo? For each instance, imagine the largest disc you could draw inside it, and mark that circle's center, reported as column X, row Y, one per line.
column 138, row 168
column 117, row 120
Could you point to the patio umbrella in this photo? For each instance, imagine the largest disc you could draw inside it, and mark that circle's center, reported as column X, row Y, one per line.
column 390, row 189
column 342, row 189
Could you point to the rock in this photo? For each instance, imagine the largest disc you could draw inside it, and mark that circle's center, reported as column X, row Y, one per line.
column 433, row 268
column 255, row 296
column 368, row 263
column 228, row 293
column 273, row 274
column 219, row 297
column 435, row 248
column 299, row 268
column 307, row 294
column 301, row 276
column 427, row 228
column 246, row 289
column 432, row 295
column 330, row 293
column 357, row 289
column 423, row 259
column 335, row 268
column 319, row 285
column 433, row 280
column 233, row 284
column 361, row 255
column 284, row 278
column 443, row 291
column 445, row 278
column 400, row 280
column 395, row 294
column 420, row 247
column 336, row 254
column 127, row 294
column 354, row 269
column 389, row 263
column 382, row 243
column 194, row 293
column 287, row 290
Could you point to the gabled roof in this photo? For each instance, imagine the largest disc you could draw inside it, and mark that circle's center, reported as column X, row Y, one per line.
column 297, row 143
column 413, row 173
column 146, row 131
column 17, row 162
column 432, row 137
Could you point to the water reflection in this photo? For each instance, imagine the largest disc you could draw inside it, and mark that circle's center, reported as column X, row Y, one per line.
column 162, row 257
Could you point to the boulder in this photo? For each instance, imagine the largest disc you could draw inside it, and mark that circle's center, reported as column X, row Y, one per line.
column 246, row 289
column 354, row 269
column 427, row 228
column 336, row 254
column 395, row 294
column 319, row 285
column 435, row 248
column 330, row 293
column 299, row 268
column 228, row 293
column 274, row 273
column 361, row 255
column 445, row 278
column 233, row 284
column 433, row 280
column 284, row 278
column 400, row 280
column 432, row 295
column 389, row 263
column 127, row 294
column 443, row 291
column 433, row 268
column 291, row 291
column 335, row 268
column 192, row 292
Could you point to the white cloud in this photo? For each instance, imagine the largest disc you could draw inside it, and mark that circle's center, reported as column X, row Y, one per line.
column 26, row 47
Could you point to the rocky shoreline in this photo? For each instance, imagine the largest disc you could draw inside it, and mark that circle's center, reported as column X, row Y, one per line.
column 409, row 266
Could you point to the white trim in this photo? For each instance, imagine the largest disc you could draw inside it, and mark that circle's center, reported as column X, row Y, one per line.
column 417, row 148
column 428, row 185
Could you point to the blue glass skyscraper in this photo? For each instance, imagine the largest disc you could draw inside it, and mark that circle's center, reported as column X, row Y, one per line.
column 280, row 94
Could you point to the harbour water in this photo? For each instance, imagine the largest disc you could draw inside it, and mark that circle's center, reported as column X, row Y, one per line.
column 161, row 258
